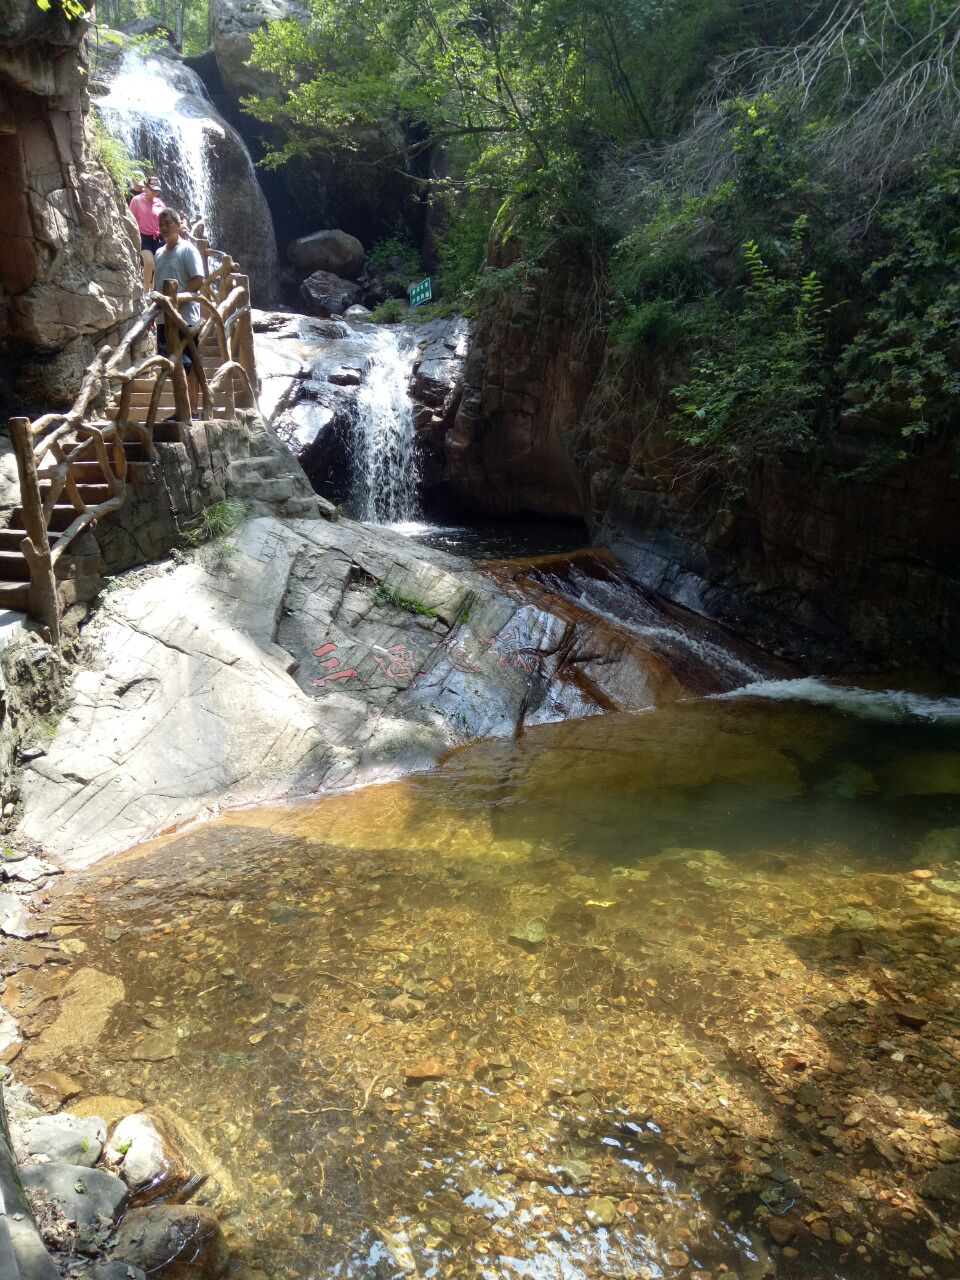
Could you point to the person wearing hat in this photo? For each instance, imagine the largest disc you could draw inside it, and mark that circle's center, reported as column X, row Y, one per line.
column 145, row 208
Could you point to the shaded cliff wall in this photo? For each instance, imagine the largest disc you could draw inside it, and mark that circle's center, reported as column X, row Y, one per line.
column 70, row 272
column 827, row 570
column 361, row 192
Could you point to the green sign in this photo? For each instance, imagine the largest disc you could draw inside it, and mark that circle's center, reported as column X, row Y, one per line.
column 420, row 293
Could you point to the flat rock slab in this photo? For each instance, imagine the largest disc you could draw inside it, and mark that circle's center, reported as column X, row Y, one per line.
column 81, row 1194
column 67, row 1139
column 319, row 655
column 16, row 920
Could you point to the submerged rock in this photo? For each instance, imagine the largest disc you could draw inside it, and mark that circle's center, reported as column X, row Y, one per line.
column 173, row 1242
column 531, row 935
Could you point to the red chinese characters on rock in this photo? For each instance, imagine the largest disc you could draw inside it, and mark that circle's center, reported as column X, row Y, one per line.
column 327, row 653
column 506, row 646
column 398, row 662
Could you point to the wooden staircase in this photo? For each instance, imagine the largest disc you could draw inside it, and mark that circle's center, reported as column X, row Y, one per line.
column 75, row 468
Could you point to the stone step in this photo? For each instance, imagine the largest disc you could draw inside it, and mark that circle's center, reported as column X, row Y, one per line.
column 273, row 491
column 13, row 567
column 12, row 536
column 14, row 595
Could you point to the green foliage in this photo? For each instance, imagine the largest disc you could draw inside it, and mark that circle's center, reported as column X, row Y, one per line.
column 757, row 385
column 392, row 311
column 462, row 247
column 186, row 20
column 396, row 255
column 652, row 327
column 215, row 522
column 903, row 366
column 73, row 9
column 386, row 595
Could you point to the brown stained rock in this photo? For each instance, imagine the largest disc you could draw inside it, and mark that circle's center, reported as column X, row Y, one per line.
column 88, row 998
column 911, row 1016
column 53, row 1088
column 782, row 1230
column 173, row 1242
column 428, row 1069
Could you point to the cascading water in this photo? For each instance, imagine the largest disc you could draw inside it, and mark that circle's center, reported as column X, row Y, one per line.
column 160, row 110
column 385, row 445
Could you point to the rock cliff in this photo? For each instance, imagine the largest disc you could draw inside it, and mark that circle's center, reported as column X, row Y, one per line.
column 361, row 191
column 823, row 569
column 69, row 256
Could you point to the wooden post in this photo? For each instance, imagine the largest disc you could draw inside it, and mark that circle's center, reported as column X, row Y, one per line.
column 44, row 605
column 245, row 347
column 181, row 397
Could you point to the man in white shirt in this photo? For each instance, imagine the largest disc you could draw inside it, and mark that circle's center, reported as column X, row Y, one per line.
column 178, row 259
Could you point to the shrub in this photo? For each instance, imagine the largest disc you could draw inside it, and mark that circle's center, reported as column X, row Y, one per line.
column 392, row 311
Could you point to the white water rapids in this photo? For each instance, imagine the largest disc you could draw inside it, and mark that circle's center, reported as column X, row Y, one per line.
column 386, row 469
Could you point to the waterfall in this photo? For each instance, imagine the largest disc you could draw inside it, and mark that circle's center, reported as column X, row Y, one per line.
column 160, row 111
column 385, row 445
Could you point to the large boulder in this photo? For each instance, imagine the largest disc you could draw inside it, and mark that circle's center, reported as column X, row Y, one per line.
column 173, row 1242
column 70, row 272
column 231, row 23
column 334, row 251
column 324, row 294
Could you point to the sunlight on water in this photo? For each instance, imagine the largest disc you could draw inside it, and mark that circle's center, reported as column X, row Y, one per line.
column 617, row 999
column 151, row 109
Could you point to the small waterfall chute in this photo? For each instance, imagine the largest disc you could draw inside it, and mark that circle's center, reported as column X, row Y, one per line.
column 386, row 470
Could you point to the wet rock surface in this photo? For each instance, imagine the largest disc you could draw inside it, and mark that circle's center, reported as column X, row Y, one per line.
column 324, row 653
column 173, row 1243
column 325, row 294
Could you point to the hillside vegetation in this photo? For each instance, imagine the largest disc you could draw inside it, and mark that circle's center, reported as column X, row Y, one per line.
column 767, row 194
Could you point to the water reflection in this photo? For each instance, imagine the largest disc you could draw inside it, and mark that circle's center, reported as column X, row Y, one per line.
column 600, row 1002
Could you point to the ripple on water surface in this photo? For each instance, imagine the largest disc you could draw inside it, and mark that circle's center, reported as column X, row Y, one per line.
column 625, row 998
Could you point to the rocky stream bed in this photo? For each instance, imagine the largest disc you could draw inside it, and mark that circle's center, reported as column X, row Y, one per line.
column 521, row 1017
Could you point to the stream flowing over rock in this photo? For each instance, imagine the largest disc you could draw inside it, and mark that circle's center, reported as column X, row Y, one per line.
column 823, row 570
column 70, row 272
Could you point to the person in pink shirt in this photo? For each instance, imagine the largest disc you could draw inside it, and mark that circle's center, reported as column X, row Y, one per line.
column 145, row 208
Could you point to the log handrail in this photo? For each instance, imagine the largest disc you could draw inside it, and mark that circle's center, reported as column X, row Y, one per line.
column 49, row 449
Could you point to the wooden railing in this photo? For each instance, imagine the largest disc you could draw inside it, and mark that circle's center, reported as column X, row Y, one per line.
column 50, row 449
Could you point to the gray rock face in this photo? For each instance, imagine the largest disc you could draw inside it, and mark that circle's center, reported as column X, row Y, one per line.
column 333, row 251
column 173, row 1243
column 67, row 1139
column 324, row 294
column 72, row 273
column 81, row 1194
column 296, row 664
column 231, row 25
